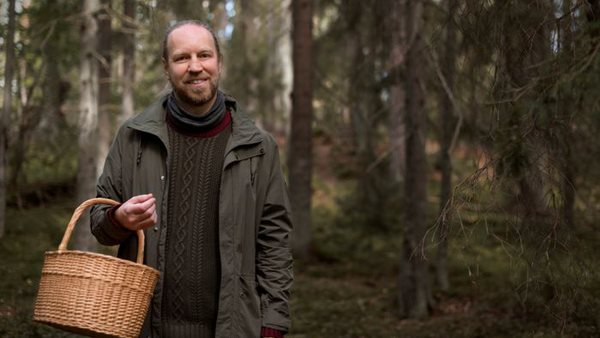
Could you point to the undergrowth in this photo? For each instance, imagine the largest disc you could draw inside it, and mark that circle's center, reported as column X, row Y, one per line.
column 350, row 290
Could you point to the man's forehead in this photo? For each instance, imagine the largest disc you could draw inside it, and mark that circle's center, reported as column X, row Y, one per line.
column 189, row 27
column 190, row 32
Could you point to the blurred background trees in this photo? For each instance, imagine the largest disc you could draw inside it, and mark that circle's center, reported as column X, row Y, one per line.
column 440, row 152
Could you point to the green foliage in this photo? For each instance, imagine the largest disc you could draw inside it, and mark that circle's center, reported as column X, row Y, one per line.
column 540, row 271
column 354, row 295
column 345, row 229
column 52, row 160
column 527, row 75
column 30, row 233
column 256, row 69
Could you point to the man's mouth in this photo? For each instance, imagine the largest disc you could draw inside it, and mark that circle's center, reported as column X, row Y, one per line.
column 196, row 81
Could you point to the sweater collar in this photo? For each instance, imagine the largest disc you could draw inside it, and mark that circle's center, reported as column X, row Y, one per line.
column 188, row 123
column 152, row 121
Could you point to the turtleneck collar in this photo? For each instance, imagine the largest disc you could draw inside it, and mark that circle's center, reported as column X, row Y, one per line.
column 190, row 123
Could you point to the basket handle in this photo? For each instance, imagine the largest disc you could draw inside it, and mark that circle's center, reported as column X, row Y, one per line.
column 79, row 211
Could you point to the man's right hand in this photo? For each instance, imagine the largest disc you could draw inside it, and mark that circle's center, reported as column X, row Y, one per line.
column 139, row 212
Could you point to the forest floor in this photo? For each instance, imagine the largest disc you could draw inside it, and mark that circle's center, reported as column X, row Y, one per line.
column 331, row 297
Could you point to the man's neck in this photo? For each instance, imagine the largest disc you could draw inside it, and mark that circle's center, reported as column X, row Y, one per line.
column 197, row 110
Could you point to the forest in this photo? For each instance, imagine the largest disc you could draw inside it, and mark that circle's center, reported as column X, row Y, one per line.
column 439, row 154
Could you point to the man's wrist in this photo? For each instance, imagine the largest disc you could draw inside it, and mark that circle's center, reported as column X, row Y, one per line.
column 111, row 213
column 270, row 332
column 112, row 217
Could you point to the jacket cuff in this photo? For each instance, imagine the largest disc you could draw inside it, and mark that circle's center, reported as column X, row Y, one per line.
column 270, row 332
column 115, row 228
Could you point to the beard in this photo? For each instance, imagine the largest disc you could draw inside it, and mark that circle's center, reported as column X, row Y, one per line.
column 196, row 97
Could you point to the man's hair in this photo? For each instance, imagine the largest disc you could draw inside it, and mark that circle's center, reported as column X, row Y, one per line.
column 165, row 52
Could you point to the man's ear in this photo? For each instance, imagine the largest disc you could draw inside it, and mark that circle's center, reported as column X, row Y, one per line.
column 165, row 67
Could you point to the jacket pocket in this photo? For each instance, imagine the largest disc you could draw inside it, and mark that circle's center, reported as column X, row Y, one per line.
column 248, row 311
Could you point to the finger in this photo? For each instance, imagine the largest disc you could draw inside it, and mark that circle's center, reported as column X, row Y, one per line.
column 129, row 219
column 148, row 203
column 140, row 198
column 148, row 222
column 152, row 210
column 148, row 214
column 142, row 208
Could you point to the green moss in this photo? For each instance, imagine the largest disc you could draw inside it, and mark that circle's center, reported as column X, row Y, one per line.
column 350, row 290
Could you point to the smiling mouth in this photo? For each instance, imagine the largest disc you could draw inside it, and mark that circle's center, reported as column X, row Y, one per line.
column 196, row 81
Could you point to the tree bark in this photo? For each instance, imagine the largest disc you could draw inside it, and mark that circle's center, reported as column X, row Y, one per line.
column 128, row 79
column 88, row 120
column 300, row 150
column 447, row 124
column 282, row 62
column 6, row 110
column 569, row 164
column 414, row 293
column 592, row 11
column 397, row 130
column 105, row 127
column 522, row 55
column 242, row 69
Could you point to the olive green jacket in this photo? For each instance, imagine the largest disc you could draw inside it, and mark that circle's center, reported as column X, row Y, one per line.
column 254, row 219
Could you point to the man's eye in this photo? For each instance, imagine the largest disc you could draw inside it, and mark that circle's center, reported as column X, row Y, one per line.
column 179, row 58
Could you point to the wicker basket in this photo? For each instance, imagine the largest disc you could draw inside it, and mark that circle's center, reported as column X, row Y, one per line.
column 94, row 294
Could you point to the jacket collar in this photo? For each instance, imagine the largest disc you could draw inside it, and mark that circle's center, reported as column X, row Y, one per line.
column 152, row 121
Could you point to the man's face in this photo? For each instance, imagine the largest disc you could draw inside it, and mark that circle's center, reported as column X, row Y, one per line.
column 193, row 67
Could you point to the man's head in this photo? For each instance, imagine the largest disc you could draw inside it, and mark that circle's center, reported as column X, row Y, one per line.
column 192, row 63
column 165, row 51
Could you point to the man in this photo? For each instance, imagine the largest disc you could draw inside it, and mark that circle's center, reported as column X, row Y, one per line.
column 206, row 186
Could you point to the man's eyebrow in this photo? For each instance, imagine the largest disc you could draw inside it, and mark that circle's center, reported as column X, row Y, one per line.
column 180, row 52
column 184, row 52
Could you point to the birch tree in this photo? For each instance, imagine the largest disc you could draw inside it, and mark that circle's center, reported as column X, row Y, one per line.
column 88, row 118
column 128, row 50
column 104, row 82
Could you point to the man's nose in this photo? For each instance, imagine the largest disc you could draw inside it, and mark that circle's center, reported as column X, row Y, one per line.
column 195, row 65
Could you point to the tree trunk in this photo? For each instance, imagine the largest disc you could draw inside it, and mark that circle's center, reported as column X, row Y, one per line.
column 592, row 11
column 397, row 130
column 161, row 16
column 128, row 79
column 447, row 124
column 104, row 86
column 300, row 150
column 414, row 293
column 569, row 165
column 6, row 110
column 218, row 16
column 241, row 75
column 365, row 107
column 522, row 57
column 88, row 120
column 282, row 58
column 271, row 88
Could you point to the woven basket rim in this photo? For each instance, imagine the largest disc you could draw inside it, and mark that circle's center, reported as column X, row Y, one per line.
column 103, row 256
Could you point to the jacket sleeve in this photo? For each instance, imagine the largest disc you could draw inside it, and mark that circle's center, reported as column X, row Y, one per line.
column 274, row 256
column 110, row 185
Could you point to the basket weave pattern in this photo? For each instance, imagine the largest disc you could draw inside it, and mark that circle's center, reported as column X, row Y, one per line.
column 94, row 294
